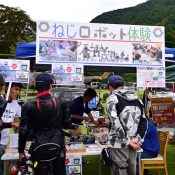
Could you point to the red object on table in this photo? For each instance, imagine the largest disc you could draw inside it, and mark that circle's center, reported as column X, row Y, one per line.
column 101, row 120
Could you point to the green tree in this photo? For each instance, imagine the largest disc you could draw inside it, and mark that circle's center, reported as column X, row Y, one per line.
column 151, row 12
column 16, row 26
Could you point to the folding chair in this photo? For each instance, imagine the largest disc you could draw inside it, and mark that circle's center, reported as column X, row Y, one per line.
column 160, row 161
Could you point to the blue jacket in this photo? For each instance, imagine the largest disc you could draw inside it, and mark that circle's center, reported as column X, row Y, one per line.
column 151, row 142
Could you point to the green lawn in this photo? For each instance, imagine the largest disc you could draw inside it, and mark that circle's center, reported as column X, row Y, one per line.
column 92, row 167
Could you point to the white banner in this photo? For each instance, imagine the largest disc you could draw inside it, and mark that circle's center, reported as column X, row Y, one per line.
column 100, row 44
column 15, row 70
column 151, row 77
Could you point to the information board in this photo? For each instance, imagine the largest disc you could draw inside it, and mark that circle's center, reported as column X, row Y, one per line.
column 68, row 74
column 150, row 76
column 162, row 110
column 15, row 70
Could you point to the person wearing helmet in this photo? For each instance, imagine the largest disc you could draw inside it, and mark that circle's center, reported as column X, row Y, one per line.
column 127, row 127
column 43, row 114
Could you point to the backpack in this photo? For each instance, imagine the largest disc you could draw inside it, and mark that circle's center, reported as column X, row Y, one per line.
column 129, row 112
column 49, row 141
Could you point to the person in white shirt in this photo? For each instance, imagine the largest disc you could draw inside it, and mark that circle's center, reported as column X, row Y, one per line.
column 11, row 111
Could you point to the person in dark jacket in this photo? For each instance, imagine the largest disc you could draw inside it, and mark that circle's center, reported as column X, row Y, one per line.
column 2, row 82
column 3, row 103
column 2, row 100
column 127, row 127
column 43, row 112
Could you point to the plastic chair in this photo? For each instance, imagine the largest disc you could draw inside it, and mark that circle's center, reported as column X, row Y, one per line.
column 160, row 161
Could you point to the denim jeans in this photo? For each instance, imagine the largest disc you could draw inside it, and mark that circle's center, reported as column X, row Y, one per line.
column 123, row 161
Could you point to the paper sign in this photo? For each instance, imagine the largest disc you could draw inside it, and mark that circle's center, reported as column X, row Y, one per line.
column 68, row 74
column 15, row 70
column 150, row 76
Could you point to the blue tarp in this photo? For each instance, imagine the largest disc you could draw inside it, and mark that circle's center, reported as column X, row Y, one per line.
column 26, row 49
column 170, row 51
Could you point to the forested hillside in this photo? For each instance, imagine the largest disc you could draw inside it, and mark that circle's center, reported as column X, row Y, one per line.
column 152, row 12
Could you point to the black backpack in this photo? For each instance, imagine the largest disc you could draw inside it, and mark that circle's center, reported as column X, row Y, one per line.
column 49, row 141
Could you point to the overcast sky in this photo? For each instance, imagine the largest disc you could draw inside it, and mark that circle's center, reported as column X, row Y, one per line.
column 68, row 10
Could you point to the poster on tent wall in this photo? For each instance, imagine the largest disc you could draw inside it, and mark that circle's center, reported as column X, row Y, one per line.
column 100, row 44
column 150, row 76
column 15, row 70
column 68, row 74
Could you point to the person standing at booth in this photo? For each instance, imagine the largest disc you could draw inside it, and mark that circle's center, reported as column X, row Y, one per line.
column 47, row 117
column 3, row 102
column 11, row 111
column 127, row 127
column 2, row 82
column 79, row 106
